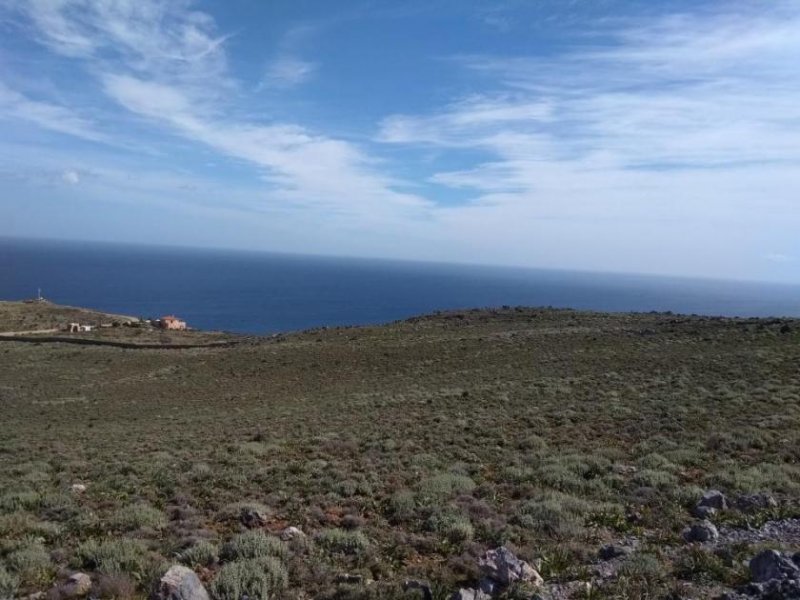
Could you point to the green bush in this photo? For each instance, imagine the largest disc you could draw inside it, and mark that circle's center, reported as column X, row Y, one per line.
column 30, row 561
column 454, row 527
column 442, row 486
column 8, row 584
column 555, row 514
column 643, row 568
column 402, row 505
column 201, row 554
column 253, row 544
column 135, row 516
column 21, row 500
column 339, row 541
column 116, row 556
column 262, row 578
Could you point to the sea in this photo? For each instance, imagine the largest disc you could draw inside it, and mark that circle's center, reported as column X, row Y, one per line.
column 264, row 293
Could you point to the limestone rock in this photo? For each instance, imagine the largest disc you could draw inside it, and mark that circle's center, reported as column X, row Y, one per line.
column 505, row 568
column 755, row 502
column 423, row 587
column 181, row 583
column 702, row 531
column 76, row 586
column 252, row 517
column 771, row 564
column 77, row 488
column 704, row 512
column 470, row 594
column 612, row 551
column 714, row 499
column 291, row 533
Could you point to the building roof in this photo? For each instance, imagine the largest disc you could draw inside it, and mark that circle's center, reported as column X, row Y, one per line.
column 170, row 318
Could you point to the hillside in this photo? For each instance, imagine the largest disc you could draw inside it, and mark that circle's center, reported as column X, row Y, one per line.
column 582, row 442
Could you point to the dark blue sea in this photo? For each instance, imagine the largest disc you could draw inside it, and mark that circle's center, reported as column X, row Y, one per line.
column 252, row 292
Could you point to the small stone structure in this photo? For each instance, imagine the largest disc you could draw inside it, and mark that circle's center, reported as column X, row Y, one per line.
column 171, row 322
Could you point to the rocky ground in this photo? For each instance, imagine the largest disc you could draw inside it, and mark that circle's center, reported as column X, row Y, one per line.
column 511, row 453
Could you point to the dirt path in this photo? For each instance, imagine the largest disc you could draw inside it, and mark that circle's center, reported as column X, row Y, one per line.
column 32, row 331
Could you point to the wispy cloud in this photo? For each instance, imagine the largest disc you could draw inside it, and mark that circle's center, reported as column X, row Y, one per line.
column 166, row 63
column 46, row 115
column 71, row 177
column 288, row 71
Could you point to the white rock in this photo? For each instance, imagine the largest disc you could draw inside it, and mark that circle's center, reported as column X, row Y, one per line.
column 291, row 533
column 181, row 583
column 503, row 567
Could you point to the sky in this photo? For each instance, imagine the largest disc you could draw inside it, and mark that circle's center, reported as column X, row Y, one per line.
column 603, row 135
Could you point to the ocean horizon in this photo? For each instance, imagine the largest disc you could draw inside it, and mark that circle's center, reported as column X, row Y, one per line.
column 262, row 293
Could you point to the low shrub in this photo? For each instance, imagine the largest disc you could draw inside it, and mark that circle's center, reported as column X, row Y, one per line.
column 136, row 516
column 454, row 527
column 9, row 583
column 20, row 500
column 202, row 554
column 442, row 486
column 262, row 578
column 30, row 561
column 115, row 556
column 402, row 505
column 253, row 544
column 339, row 541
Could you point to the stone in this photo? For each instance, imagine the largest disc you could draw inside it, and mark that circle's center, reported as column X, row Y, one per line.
column 180, row 583
column 503, row 567
column 704, row 512
column 488, row 586
column 470, row 594
column 350, row 579
column 755, row 502
column 771, row 564
column 423, row 587
column 291, row 533
column 77, row 585
column 252, row 518
column 702, row 531
column 612, row 551
column 714, row 499
column 77, row 488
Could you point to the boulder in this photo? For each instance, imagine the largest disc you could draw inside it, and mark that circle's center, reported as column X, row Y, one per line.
column 755, row 502
column 252, row 517
column 704, row 512
column 503, row 567
column 612, row 551
column 488, row 586
column 714, row 499
column 291, row 533
column 702, row 531
column 180, row 583
column 470, row 594
column 423, row 587
column 771, row 564
column 77, row 585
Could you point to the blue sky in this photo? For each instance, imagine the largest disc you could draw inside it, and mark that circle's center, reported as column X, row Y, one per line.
column 652, row 137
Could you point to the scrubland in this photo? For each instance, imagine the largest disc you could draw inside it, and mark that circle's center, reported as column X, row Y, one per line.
column 403, row 451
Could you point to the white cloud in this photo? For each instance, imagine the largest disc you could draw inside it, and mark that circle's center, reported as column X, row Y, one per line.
column 17, row 106
column 170, row 67
column 71, row 177
column 288, row 71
